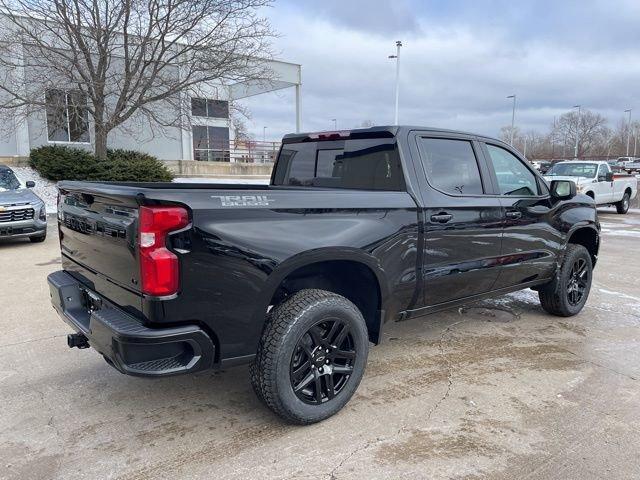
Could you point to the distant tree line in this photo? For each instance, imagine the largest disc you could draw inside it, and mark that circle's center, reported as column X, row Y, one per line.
column 595, row 137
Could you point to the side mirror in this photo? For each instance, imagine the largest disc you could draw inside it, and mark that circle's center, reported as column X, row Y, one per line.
column 31, row 184
column 562, row 189
column 608, row 177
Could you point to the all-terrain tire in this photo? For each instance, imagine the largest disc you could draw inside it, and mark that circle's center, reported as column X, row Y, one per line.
column 556, row 296
column 622, row 206
column 289, row 324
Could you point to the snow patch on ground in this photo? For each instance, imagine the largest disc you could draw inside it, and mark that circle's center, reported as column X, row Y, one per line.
column 523, row 296
column 45, row 189
column 615, row 225
column 631, row 302
column 621, row 233
column 618, row 294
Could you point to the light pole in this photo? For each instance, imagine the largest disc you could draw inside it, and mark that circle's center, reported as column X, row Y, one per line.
column 335, row 123
column 635, row 140
column 575, row 150
column 628, row 129
column 513, row 118
column 264, row 134
column 553, row 139
column 397, row 57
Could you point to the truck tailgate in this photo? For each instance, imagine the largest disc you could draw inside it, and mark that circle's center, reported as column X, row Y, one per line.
column 98, row 232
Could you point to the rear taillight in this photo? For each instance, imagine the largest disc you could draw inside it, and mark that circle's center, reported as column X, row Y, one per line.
column 159, row 267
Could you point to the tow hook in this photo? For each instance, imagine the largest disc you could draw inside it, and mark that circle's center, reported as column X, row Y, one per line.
column 77, row 340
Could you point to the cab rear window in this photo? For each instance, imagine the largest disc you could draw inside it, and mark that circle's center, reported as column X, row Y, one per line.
column 363, row 164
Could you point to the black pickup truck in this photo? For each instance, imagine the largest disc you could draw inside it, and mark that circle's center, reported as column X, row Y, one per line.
column 356, row 229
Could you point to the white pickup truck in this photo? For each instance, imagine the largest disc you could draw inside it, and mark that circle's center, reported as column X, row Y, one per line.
column 596, row 180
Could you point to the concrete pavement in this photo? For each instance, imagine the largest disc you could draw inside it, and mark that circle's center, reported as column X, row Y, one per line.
column 494, row 390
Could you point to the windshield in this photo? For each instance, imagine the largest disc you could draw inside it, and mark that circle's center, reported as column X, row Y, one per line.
column 573, row 170
column 8, row 180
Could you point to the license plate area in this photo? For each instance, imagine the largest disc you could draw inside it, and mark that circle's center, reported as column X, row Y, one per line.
column 91, row 301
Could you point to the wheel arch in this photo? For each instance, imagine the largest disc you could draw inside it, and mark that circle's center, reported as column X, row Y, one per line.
column 587, row 236
column 351, row 273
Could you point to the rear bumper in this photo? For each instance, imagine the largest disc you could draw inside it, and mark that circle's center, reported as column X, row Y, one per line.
column 127, row 344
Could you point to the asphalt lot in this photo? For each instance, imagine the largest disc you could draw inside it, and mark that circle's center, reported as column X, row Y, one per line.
column 495, row 390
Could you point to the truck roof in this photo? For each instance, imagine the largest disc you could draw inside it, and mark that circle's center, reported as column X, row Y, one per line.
column 376, row 131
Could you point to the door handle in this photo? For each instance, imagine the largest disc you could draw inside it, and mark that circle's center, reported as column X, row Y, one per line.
column 513, row 214
column 441, row 217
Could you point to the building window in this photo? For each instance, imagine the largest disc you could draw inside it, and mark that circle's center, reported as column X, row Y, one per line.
column 210, row 143
column 67, row 116
column 201, row 107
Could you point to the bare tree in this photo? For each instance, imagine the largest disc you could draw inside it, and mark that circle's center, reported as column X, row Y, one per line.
column 110, row 62
column 505, row 135
column 589, row 127
column 238, row 113
column 595, row 139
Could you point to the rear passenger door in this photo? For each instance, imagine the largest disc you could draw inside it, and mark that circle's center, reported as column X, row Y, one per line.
column 463, row 225
column 530, row 242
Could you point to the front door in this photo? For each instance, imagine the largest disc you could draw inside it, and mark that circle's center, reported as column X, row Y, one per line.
column 530, row 243
column 604, row 188
column 463, row 225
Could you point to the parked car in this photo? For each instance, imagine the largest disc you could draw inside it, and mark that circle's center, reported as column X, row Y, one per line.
column 623, row 161
column 615, row 168
column 596, row 180
column 356, row 229
column 22, row 212
column 542, row 165
column 633, row 167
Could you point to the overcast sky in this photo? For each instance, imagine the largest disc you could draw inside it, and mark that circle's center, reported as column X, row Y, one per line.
column 459, row 61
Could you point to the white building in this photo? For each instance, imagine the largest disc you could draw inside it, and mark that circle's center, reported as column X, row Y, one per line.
column 209, row 136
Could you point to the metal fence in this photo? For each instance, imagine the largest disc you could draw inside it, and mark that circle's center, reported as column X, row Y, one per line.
column 239, row 151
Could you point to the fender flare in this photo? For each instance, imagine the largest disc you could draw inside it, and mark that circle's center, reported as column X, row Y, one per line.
column 579, row 226
column 318, row 255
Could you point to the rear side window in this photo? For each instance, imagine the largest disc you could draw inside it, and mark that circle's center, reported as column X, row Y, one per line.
column 367, row 164
column 451, row 166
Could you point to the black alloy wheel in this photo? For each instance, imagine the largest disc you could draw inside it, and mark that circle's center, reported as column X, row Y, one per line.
column 578, row 281
column 311, row 357
column 322, row 361
column 567, row 293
